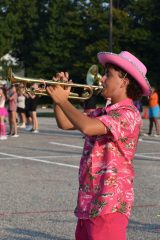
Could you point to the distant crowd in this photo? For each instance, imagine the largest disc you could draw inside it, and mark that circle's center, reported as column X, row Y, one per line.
column 19, row 105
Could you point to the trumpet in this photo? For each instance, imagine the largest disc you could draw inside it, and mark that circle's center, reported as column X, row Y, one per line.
column 88, row 90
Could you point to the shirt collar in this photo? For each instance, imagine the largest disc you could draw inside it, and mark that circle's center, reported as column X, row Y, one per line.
column 122, row 103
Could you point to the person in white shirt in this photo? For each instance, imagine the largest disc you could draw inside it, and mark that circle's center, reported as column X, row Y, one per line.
column 21, row 105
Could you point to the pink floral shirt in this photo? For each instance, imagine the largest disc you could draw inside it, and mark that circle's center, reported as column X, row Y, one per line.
column 106, row 171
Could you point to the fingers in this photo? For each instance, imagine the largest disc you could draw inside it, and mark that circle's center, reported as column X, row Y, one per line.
column 43, row 82
column 61, row 76
column 49, row 90
column 66, row 76
column 57, row 77
column 54, row 79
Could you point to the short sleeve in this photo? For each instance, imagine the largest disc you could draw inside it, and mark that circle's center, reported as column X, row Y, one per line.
column 120, row 123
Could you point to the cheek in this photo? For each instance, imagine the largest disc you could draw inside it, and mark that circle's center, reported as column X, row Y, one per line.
column 104, row 79
column 110, row 90
column 107, row 92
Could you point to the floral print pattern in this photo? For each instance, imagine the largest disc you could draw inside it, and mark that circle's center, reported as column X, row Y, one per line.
column 106, row 172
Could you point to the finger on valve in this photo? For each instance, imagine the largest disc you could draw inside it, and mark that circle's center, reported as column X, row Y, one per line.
column 61, row 76
column 56, row 78
column 66, row 76
column 50, row 90
column 42, row 81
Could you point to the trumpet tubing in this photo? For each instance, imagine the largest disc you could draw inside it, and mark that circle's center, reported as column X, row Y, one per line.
column 88, row 89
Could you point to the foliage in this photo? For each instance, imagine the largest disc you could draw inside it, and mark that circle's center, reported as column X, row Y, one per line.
column 49, row 36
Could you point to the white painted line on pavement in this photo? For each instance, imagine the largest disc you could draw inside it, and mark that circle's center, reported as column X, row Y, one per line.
column 150, row 153
column 66, row 145
column 7, row 158
column 38, row 160
column 57, row 134
column 60, row 156
column 147, row 157
column 149, row 141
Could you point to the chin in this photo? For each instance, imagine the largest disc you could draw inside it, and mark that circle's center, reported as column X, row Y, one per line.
column 105, row 95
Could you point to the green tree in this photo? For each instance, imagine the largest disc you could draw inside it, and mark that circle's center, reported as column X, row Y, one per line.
column 26, row 16
column 72, row 35
column 49, row 36
column 7, row 23
column 96, row 28
column 58, row 46
column 146, row 41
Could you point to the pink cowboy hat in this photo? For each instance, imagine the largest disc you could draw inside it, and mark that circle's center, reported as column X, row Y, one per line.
column 130, row 64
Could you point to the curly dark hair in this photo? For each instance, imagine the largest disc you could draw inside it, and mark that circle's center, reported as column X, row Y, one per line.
column 134, row 90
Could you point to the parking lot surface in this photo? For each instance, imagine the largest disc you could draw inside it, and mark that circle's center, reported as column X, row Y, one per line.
column 39, row 182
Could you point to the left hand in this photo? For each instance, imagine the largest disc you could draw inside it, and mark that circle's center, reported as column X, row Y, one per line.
column 59, row 93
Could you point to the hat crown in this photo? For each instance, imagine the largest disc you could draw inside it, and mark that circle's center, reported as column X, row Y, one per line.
column 135, row 61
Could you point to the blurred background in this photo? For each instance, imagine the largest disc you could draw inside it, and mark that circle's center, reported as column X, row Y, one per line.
column 41, row 37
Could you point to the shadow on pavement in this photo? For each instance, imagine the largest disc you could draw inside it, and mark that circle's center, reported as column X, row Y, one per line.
column 144, row 227
column 26, row 234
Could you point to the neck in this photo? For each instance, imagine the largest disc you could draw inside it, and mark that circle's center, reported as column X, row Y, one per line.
column 118, row 99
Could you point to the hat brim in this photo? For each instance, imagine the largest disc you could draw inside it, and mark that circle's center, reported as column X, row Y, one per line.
column 115, row 59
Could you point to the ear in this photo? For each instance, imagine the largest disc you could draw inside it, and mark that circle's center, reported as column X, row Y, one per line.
column 125, row 82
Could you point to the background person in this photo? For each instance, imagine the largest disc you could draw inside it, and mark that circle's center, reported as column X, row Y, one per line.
column 106, row 172
column 12, row 108
column 33, row 108
column 3, row 114
column 28, row 112
column 93, row 78
column 21, row 108
column 153, row 113
column 139, row 106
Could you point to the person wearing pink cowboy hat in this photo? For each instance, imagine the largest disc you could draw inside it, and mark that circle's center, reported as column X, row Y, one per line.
column 106, row 195
column 130, row 64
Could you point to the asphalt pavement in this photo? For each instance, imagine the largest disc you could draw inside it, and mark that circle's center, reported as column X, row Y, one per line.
column 39, row 182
